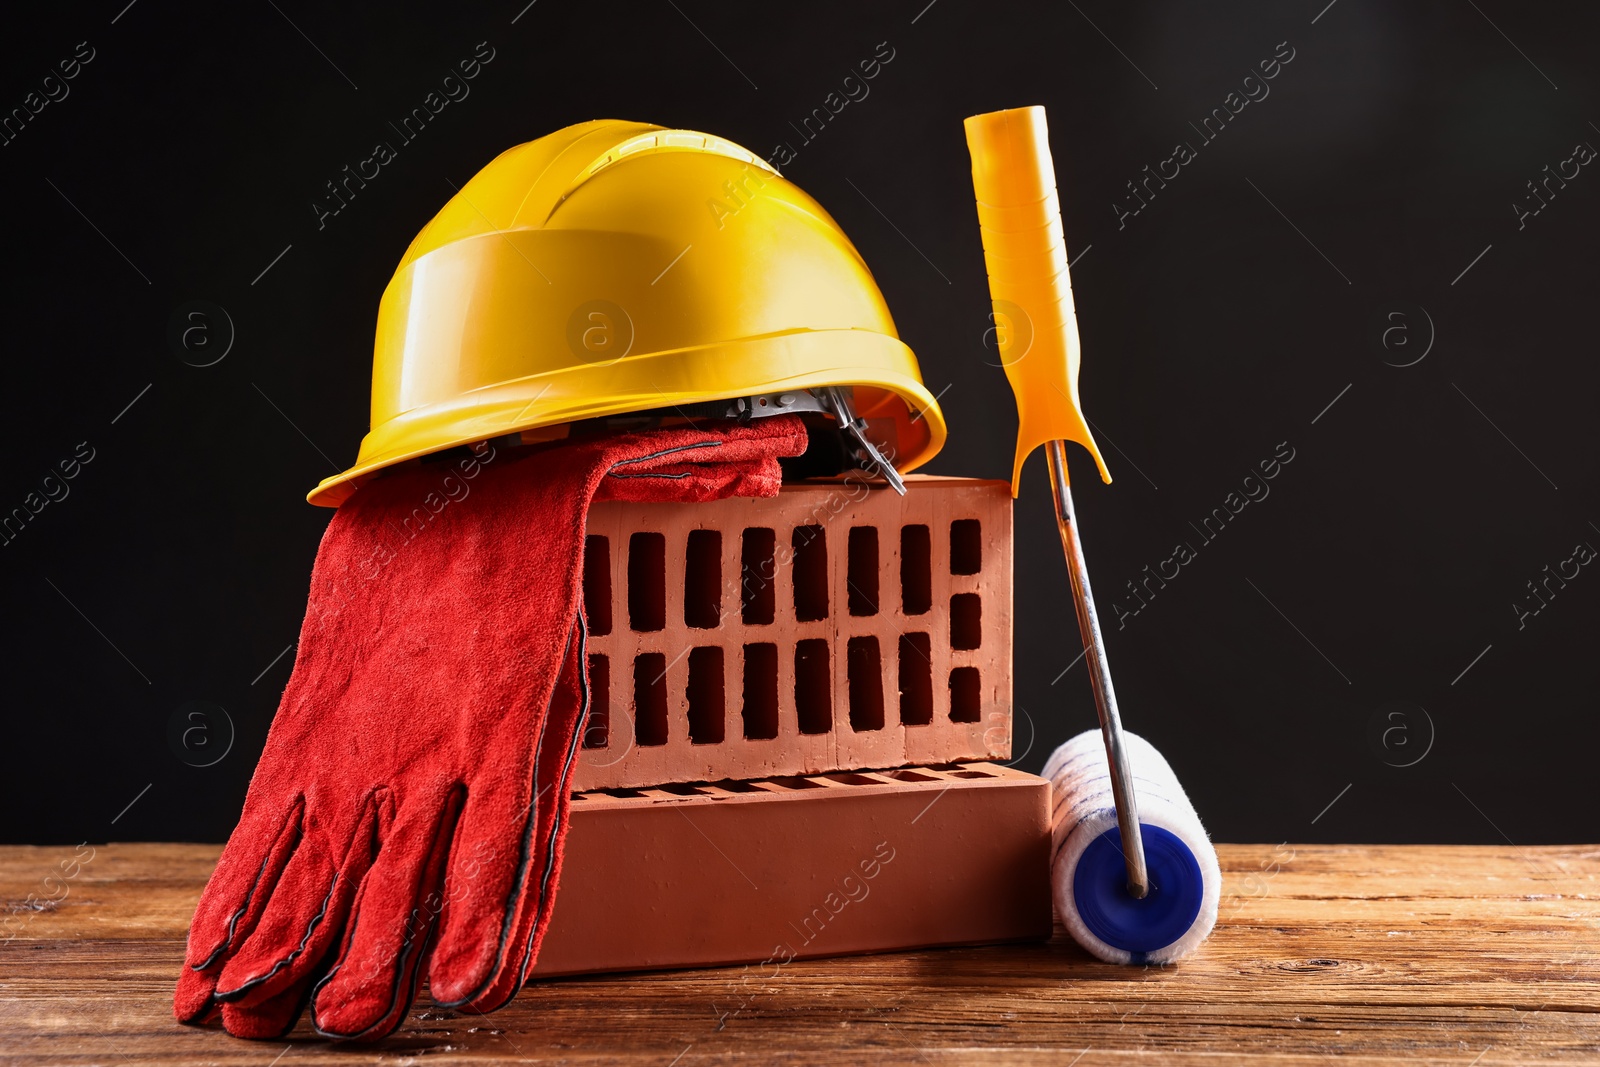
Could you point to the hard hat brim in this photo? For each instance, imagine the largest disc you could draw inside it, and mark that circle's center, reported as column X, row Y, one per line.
column 871, row 362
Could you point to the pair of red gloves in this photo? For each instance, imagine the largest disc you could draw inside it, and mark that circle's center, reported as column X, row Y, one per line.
column 408, row 811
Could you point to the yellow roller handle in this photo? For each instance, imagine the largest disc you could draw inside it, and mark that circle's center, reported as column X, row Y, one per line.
column 1019, row 217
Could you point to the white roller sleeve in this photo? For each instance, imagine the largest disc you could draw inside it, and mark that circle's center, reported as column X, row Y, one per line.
column 1083, row 811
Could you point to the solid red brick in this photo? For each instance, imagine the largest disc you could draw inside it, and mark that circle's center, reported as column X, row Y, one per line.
column 765, row 872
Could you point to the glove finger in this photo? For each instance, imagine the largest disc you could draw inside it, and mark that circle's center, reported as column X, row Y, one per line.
column 740, row 461
column 557, row 757
column 306, row 913
column 230, row 907
column 192, row 1001
column 484, row 875
column 487, row 933
column 368, row 991
column 270, row 1018
column 240, row 885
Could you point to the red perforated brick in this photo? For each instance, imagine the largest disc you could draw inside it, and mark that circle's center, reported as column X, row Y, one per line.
column 832, row 628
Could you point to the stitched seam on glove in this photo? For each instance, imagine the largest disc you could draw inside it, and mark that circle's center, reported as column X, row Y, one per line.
column 531, row 825
column 566, row 772
column 225, row 995
column 295, row 814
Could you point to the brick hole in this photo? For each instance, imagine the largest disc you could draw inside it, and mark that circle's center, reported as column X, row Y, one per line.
column 966, row 621
column 760, row 692
column 758, row 592
column 647, row 582
column 597, row 584
column 578, row 796
column 910, row 776
column 597, row 734
column 650, row 699
column 916, row 570
column 862, row 572
column 813, row 697
column 852, row 779
column 796, row 783
column 865, row 672
column 732, row 785
column 916, row 680
column 622, row 794
column 706, row 698
column 683, row 790
column 810, row 572
column 966, row 695
column 966, row 546
column 971, row 774
column 702, row 580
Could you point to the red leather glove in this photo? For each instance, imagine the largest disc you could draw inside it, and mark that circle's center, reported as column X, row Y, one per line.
column 410, row 803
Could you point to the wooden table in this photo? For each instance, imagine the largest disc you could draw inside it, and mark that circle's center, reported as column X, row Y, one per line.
column 1376, row 954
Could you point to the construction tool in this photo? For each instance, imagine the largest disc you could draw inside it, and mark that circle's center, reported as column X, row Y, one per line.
column 1036, row 327
column 1086, row 868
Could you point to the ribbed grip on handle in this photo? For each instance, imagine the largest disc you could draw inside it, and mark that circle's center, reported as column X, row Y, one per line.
column 1019, row 217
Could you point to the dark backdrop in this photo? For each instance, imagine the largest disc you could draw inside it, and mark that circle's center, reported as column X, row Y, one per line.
column 1343, row 272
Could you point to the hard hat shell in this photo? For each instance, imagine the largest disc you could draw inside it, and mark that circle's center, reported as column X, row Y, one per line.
column 615, row 267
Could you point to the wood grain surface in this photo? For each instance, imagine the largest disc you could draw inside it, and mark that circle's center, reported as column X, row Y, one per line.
column 1373, row 954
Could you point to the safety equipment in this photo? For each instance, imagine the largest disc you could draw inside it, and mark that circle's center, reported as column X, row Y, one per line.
column 408, row 810
column 616, row 267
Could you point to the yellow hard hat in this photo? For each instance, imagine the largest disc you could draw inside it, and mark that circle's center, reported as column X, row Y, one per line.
column 615, row 267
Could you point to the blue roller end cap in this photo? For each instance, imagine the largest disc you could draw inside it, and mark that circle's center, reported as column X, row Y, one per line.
column 1168, row 910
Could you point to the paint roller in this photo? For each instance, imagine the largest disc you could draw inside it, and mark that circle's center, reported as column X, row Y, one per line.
column 1134, row 876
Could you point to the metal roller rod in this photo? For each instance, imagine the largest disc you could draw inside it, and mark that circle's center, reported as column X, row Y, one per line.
column 1105, row 697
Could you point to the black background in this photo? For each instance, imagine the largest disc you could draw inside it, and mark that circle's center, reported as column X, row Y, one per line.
column 1223, row 319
